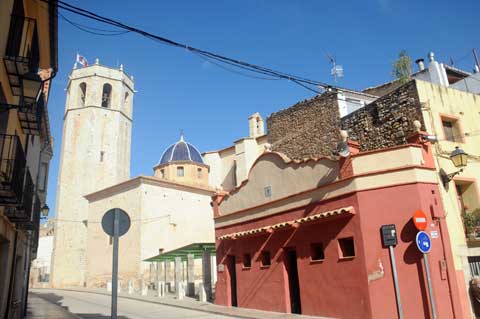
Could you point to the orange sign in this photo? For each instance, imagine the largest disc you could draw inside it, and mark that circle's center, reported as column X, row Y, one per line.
column 420, row 219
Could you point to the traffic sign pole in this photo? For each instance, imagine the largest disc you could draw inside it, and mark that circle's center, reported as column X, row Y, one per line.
column 116, row 224
column 424, row 244
column 395, row 282
column 430, row 289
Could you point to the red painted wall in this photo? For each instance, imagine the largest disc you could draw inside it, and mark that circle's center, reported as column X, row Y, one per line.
column 335, row 287
column 395, row 205
column 326, row 287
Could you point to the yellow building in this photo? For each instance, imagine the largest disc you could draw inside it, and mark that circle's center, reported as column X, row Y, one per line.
column 28, row 50
column 453, row 116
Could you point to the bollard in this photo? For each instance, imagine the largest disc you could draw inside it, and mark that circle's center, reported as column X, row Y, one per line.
column 202, row 295
column 161, row 289
column 131, row 290
column 180, row 291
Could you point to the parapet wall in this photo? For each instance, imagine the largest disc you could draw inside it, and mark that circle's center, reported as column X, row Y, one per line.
column 311, row 128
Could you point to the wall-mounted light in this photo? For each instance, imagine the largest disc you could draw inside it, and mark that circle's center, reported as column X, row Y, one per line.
column 459, row 159
column 32, row 86
column 44, row 211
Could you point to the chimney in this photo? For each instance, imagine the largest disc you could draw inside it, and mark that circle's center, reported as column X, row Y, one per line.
column 421, row 64
column 437, row 71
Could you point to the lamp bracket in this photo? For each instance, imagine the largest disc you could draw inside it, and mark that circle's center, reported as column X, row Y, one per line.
column 446, row 178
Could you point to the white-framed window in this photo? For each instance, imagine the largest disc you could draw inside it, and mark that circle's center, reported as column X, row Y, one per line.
column 180, row 171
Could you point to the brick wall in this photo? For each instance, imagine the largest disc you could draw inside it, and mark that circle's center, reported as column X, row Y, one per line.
column 308, row 128
column 311, row 128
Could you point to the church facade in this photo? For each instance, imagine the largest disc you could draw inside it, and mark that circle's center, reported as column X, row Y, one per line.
column 168, row 210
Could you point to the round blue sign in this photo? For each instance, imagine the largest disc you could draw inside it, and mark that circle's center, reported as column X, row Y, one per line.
column 424, row 243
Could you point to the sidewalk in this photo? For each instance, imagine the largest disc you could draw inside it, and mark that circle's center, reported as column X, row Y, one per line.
column 193, row 304
column 39, row 308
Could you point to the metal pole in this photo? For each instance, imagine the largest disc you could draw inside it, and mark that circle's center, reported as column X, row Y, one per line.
column 395, row 282
column 476, row 57
column 430, row 289
column 116, row 223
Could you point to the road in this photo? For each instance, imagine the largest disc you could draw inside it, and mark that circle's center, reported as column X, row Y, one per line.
column 96, row 306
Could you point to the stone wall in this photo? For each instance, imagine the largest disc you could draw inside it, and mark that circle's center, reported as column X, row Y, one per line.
column 309, row 128
column 387, row 121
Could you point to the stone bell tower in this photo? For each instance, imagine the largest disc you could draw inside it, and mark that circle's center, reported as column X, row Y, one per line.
column 95, row 154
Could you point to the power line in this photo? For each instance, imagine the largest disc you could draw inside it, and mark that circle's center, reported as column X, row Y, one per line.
column 93, row 30
column 306, row 83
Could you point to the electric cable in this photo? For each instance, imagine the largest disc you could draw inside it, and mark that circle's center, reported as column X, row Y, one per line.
column 301, row 81
column 93, row 30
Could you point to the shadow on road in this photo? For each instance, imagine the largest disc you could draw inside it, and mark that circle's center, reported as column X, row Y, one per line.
column 56, row 299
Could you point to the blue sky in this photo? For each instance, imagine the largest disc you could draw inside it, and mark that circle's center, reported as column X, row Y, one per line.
column 177, row 90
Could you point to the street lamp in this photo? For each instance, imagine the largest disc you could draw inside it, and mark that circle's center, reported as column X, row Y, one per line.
column 44, row 211
column 459, row 159
column 32, row 86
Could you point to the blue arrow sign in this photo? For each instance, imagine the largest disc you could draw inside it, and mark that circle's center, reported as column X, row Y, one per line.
column 423, row 241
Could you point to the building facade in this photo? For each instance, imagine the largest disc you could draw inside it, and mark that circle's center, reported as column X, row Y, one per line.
column 41, row 266
column 168, row 210
column 444, row 112
column 313, row 245
column 28, row 47
column 95, row 154
column 230, row 166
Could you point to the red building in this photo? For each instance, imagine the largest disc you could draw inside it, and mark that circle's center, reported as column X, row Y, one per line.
column 304, row 237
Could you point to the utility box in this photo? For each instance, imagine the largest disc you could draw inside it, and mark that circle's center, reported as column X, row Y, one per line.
column 389, row 235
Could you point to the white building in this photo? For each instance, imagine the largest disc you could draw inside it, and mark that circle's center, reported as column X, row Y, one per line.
column 168, row 210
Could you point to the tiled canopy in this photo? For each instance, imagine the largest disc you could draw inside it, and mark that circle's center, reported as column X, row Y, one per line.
column 299, row 221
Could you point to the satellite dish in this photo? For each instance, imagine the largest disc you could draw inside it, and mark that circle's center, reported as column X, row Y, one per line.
column 342, row 149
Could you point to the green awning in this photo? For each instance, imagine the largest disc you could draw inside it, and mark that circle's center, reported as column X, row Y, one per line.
column 196, row 250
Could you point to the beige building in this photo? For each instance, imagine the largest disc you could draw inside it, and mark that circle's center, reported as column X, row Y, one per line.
column 168, row 210
column 28, row 63
column 453, row 116
column 95, row 154
column 230, row 166
column 41, row 266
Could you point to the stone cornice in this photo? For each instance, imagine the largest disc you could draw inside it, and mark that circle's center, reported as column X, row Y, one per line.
column 97, row 107
column 151, row 180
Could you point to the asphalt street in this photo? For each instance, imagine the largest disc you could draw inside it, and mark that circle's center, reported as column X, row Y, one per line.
column 96, row 306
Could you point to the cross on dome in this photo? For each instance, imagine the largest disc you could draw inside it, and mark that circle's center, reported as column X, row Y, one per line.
column 181, row 151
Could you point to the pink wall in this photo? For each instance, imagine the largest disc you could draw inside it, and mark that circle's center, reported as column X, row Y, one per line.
column 341, row 288
column 396, row 205
column 326, row 287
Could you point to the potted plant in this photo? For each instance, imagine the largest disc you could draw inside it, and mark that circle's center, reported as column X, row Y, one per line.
column 470, row 221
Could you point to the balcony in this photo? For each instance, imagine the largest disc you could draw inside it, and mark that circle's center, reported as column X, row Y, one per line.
column 16, row 184
column 22, row 58
column 34, row 223
column 30, row 116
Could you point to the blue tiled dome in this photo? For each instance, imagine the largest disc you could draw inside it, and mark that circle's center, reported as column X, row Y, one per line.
column 181, row 151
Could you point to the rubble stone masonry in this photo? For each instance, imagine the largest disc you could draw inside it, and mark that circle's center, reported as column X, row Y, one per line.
column 387, row 121
column 311, row 128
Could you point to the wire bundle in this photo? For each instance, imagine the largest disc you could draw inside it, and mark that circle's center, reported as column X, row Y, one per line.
column 216, row 59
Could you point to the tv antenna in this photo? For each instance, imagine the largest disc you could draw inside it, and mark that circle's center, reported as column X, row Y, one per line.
column 337, row 70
